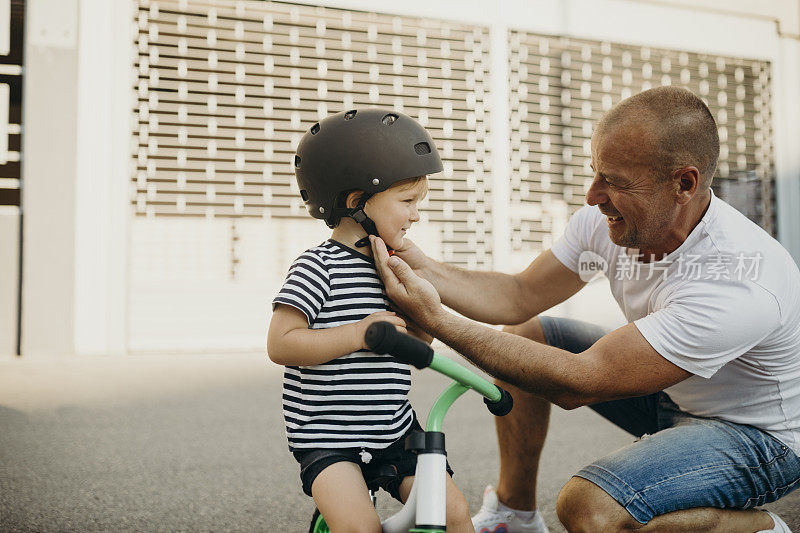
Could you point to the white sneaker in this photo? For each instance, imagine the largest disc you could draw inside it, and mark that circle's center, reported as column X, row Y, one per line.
column 779, row 525
column 492, row 519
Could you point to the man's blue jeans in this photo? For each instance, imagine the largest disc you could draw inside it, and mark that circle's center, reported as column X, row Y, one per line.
column 679, row 461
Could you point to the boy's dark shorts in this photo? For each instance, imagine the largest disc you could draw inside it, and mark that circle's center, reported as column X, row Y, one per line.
column 403, row 463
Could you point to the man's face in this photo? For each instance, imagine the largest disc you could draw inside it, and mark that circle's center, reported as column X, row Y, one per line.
column 640, row 210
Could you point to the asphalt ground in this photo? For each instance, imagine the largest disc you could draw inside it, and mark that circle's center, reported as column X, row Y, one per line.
column 196, row 443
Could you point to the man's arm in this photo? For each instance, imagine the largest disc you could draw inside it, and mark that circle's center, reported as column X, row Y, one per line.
column 495, row 297
column 621, row 364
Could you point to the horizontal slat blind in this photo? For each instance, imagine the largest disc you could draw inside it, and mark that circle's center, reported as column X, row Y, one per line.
column 226, row 89
column 560, row 87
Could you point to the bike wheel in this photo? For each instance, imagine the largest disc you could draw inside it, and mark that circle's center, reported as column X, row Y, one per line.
column 318, row 524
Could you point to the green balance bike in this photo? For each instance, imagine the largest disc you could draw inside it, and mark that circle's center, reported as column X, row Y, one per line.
column 424, row 511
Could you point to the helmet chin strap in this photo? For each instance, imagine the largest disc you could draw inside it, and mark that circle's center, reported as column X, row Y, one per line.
column 358, row 214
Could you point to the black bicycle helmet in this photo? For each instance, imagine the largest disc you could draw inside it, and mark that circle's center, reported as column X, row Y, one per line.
column 364, row 149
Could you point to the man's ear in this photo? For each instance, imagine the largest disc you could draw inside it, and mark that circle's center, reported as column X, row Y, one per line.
column 688, row 182
column 353, row 198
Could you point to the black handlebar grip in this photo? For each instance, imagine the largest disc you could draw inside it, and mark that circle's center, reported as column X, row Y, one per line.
column 502, row 406
column 383, row 337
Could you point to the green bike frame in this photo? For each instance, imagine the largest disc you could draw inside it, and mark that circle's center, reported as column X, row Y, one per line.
column 463, row 380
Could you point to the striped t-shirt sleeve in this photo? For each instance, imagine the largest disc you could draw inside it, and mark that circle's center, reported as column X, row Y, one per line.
column 307, row 286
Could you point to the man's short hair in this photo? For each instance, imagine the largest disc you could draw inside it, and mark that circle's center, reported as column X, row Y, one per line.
column 684, row 130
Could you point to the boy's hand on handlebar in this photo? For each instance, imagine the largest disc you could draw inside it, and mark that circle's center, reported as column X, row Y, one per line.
column 382, row 316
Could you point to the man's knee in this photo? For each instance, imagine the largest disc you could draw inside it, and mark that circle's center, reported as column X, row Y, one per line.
column 582, row 506
column 531, row 329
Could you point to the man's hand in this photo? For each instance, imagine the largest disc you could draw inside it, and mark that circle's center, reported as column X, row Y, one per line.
column 413, row 328
column 411, row 254
column 414, row 295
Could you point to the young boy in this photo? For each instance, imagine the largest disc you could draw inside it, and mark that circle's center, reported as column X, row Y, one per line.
column 346, row 409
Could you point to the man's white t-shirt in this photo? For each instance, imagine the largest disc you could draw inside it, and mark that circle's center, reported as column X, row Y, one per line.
column 724, row 306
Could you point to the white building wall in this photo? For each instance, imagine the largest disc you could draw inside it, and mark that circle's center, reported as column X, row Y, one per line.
column 787, row 143
column 84, row 292
column 50, row 122
column 9, row 270
column 102, row 242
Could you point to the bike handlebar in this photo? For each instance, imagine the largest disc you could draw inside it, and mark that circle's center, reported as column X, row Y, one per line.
column 383, row 338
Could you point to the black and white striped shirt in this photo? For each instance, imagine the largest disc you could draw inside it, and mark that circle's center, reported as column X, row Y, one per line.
column 357, row 400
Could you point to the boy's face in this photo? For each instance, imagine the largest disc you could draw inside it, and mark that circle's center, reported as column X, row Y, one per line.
column 395, row 209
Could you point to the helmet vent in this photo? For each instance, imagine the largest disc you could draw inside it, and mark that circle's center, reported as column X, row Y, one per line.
column 422, row 148
column 350, row 115
column 389, row 119
column 304, row 194
column 296, row 161
column 315, row 129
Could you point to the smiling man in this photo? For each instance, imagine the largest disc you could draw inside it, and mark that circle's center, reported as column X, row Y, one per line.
column 706, row 373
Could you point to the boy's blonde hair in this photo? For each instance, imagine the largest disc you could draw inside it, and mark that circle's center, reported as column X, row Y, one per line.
column 411, row 183
column 407, row 183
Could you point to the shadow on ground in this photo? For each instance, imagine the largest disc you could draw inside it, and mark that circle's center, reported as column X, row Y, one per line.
column 197, row 444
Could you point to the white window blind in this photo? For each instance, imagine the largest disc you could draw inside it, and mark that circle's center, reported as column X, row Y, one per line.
column 560, row 87
column 227, row 88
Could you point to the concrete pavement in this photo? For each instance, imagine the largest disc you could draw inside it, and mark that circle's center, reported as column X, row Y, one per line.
column 196, row 443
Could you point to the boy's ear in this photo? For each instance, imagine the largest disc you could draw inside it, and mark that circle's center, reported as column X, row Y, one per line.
column 353, row 198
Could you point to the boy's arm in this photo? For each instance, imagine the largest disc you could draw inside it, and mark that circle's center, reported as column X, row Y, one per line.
column 290, row 342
